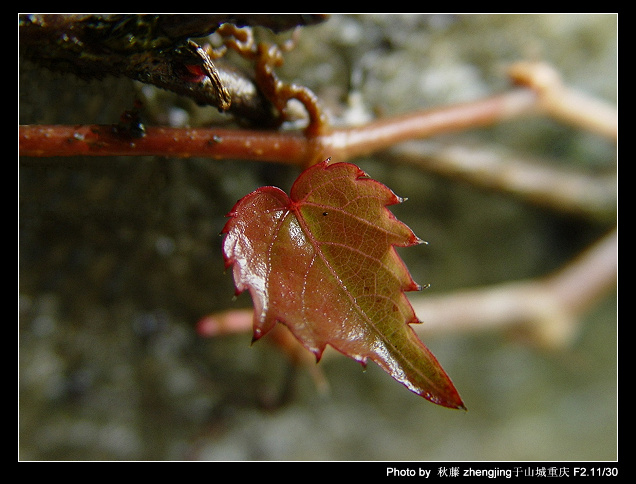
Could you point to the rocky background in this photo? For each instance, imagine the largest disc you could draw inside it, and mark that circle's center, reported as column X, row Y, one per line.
column 119, row 258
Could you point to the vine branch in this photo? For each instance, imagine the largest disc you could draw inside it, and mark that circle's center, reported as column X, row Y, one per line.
column 271, row 146
column 541, row 92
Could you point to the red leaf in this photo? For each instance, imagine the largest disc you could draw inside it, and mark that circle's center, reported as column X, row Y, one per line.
column 323, row 262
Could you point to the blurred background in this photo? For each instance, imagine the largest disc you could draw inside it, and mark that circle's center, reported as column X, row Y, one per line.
column 120, row 257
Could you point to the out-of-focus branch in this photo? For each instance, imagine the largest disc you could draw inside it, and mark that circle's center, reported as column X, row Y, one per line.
column 550, row 307
column 564, row 103
column 565, row 190
column 493, row 168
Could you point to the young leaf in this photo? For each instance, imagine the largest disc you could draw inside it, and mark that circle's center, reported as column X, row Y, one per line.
column 323, row 262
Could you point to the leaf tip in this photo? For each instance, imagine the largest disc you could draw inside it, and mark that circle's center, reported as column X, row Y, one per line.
column 453, row 402
column 256, row 335
column 459, row 406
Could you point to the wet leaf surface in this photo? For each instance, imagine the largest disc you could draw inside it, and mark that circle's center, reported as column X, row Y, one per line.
column 323, row 262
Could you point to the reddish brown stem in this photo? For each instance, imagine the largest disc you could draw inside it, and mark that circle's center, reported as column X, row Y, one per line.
column 103, row 140
column 384, row 133
column 281, row 147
